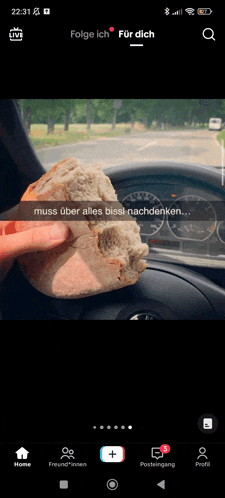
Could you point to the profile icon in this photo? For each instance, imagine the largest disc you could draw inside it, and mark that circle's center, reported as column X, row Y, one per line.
column 202, row 453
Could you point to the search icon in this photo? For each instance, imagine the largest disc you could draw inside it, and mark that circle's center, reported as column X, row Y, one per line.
column 206, row 36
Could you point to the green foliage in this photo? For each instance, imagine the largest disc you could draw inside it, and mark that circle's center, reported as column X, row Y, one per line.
column 220, row 137
column 174, row 112
column 78, row 132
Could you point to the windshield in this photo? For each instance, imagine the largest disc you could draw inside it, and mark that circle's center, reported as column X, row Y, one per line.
column 113, row 132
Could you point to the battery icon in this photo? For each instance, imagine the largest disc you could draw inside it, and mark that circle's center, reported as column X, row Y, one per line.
column 204, row 12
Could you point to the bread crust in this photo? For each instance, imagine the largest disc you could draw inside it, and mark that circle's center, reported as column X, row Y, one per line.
column 76, row 268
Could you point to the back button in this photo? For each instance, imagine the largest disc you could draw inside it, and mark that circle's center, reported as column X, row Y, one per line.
column 162, row 484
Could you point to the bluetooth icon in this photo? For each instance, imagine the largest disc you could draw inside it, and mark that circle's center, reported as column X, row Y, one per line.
column 167, row 11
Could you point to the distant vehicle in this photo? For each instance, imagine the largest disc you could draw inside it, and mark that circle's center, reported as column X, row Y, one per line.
column 215, row 124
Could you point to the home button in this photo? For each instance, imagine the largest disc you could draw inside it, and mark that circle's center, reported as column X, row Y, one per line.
column 112, row 484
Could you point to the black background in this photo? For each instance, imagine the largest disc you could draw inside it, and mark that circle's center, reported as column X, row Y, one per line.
column 59, row 379
column 178, row 62
column 62, row 379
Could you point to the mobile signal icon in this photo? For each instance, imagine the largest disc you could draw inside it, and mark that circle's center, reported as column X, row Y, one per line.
column 178, row 12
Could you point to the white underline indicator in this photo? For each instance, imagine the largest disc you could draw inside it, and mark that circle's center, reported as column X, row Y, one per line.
column 136, row 45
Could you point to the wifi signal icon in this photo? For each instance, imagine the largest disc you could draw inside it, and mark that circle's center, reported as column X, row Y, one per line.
column 190, row 11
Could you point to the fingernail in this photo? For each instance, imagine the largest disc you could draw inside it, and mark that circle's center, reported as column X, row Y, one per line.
column 58, row 231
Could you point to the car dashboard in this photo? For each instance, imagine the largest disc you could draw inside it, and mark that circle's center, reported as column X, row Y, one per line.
column 178, row 238
column 197, row 236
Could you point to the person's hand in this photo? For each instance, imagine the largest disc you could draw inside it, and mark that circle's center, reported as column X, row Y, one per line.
column 13, row 244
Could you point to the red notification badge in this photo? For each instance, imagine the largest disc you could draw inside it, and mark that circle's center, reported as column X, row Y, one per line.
column 164, row 448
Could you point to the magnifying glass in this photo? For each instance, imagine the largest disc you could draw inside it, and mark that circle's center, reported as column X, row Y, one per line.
column 206, row 34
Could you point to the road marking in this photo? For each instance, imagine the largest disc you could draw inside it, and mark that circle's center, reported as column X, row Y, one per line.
column 148, row 145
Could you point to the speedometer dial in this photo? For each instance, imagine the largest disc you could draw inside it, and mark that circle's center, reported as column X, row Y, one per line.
column 221, row 231
column 140, row 200
column 197, row 220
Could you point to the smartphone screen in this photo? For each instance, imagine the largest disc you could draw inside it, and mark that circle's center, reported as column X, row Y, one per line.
column 100, row 403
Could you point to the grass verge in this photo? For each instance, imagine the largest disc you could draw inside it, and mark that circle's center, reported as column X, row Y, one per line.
column 77, row 133
column 220, row 137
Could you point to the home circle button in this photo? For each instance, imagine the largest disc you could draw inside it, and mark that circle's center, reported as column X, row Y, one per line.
column 112, row 484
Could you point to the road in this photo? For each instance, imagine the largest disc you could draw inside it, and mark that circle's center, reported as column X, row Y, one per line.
column 194, row 146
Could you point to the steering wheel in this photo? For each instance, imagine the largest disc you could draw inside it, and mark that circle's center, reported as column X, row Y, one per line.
column 164, row 291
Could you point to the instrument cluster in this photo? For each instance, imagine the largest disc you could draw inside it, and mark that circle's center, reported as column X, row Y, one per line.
column 177, row 218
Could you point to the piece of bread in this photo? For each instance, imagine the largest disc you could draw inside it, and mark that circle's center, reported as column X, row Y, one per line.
column 97, row 256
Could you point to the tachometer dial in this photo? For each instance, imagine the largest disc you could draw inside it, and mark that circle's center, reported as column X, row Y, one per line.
column 192, row 218
column 140, row 200
column 221, row 231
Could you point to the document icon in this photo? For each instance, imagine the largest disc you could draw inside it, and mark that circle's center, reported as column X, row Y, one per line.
column 207, row 423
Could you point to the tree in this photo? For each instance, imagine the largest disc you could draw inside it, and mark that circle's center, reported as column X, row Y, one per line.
column 51, row 123
column 176, row 112
column 223, row 110
column 114, row 119
column 146, row 111
column 25, row 107
column 116, row 105
column 102, row 110
column 48, row 111
column 66, row 107
column 88, row 114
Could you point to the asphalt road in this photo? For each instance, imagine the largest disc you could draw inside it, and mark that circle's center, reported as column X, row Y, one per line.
column 194, row 146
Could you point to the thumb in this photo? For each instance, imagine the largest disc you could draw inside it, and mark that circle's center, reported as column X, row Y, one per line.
column 35, row 239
